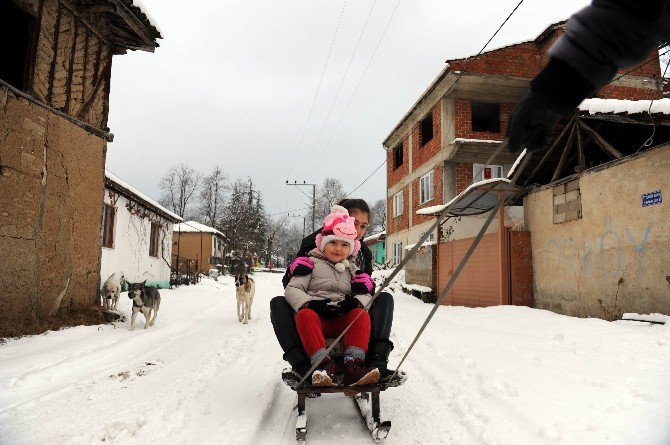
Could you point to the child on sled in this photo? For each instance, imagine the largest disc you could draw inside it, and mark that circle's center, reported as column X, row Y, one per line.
column 329, row 299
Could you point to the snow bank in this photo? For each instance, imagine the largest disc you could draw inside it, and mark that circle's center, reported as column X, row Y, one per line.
column 619, row 106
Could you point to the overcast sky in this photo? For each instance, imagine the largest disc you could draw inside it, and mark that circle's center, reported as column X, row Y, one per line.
column 233, row 82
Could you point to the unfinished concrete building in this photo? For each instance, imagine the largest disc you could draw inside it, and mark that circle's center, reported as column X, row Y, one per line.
column 54, row 101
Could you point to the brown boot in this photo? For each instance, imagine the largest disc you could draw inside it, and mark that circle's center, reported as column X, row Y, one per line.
column 324, row 374
column 357, row 373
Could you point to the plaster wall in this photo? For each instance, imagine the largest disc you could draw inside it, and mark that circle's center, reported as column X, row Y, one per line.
column 130, row 251
column 576, row 263
column 51, row 185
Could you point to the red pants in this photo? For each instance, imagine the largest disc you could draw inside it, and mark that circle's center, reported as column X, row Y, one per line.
column 313, row 328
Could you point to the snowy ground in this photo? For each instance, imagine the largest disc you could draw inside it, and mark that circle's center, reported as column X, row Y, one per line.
column 501, row 375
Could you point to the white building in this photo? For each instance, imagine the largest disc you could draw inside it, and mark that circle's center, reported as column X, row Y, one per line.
column 136, row 235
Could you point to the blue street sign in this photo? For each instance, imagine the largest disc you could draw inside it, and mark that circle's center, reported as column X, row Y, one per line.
column 650, row 199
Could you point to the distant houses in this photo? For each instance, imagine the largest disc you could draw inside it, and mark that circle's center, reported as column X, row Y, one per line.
column 136, row 235
column 203, row 247
column 54, row 102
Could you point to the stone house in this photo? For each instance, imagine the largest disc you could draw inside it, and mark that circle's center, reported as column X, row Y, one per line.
column 136, row 235
column 445, row 142
column 54, row 102
column 196, row 242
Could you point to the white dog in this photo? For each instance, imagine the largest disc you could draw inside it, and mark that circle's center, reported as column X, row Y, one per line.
column 244, row 290
column 111, row 290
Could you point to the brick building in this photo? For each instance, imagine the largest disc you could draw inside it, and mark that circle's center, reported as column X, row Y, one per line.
column 54, row 100
column 446, row 137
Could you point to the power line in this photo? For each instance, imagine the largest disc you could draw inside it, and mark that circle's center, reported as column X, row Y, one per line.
column 366, row 179
column 323, row 72
column 339, row 88
column 337, row 126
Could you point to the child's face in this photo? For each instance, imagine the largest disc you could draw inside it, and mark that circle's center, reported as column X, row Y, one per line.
column 336, row 251
column 362, row 221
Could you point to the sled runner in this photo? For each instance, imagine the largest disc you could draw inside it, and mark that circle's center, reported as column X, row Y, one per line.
column 366, row 398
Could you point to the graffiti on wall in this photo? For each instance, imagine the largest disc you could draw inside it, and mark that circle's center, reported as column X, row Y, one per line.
column 603, row 255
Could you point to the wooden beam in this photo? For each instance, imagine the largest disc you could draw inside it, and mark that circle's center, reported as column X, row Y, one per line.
column 580, row 152
column 73, row 50
column 601, row 142
column 564, row 156
column 133, row 22
column 105, row 74
column 551, row 149
column 96, row 9
column 52, row 70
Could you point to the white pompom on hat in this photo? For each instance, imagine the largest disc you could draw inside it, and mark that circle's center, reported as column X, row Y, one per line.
column 338, row 225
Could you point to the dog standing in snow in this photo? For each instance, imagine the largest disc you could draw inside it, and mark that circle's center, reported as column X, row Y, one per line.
column 145, row 299
column 111, row 290
column 245, row 287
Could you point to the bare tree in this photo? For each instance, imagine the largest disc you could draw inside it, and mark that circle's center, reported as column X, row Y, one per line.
column 276, row 229
column 378, row 217
column 329, row 194
column 179, row 186
column 212, row 196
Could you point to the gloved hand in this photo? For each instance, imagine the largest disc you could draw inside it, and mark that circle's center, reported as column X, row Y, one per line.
column 348, row 304
column 556, row 92
column 301, row 266
column 361, row 283
column 322, row 308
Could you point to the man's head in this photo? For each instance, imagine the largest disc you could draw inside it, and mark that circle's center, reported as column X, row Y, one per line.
column 360, row 211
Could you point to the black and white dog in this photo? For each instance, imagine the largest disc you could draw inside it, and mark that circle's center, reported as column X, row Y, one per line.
column 245, row 288
column 145, row 299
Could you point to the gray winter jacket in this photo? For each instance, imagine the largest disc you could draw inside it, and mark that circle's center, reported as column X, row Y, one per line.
column 612, row 34
column 325, row 282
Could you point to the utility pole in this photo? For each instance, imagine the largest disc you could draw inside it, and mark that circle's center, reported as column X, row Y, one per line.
column 297, row 184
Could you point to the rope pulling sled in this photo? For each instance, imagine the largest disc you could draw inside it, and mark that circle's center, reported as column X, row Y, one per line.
column 479, row 198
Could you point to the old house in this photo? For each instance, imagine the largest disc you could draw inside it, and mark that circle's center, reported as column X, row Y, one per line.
column 202, row 245
column 599, row 223
column 377, row 245
column 54, row 101
column 136, row 235
column 445, row 142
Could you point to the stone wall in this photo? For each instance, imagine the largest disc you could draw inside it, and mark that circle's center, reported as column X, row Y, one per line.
column 51, row 188
column 618, row 250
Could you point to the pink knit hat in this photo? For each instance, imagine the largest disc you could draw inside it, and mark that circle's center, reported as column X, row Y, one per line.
column 338, row 225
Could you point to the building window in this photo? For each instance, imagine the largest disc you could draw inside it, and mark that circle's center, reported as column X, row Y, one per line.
column 397, row 253
column 154, row 239
column 15, row 27
column 397, row 156
column 427, row 129
column 397, row 204
column 485, row 116
column 481, row 172
column 108, row 217
column 426, row 189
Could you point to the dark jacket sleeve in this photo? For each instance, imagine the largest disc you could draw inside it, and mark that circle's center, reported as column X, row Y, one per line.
column 308, row 243
column 612, row 34
column 367, row 258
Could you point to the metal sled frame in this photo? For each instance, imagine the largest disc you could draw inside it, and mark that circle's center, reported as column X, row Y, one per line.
column 366, row 399
column 367, row 402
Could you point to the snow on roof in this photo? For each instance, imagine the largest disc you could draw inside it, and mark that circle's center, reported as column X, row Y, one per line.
column 619, row 106
column 145, row 11
column 375, row 237
column 476, row 141
column 123, row 184
column 425, row 243
column 437, row 209
column 194, row 226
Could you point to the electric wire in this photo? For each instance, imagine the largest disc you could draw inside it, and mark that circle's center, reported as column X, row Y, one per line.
column 339, row 88
column 323, row 72
column 346, row 109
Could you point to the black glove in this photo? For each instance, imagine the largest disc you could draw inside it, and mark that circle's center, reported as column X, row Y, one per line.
column 349, row 303
column 322, row 308
column 554, row 93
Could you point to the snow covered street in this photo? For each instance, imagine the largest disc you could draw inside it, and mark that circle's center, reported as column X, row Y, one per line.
column 499, row 375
